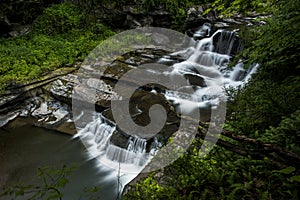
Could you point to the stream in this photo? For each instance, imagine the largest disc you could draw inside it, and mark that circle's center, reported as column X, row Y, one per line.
column 24, row 148
column 106, row 155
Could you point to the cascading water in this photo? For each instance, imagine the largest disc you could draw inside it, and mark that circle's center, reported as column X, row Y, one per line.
column 96, row 137
column 205, row 67
column 208, row 63
column 137, row 145
column 97, row 134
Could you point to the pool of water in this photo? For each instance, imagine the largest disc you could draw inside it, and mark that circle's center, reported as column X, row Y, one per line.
column 24, row 148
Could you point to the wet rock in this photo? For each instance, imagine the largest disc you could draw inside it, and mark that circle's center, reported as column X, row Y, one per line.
column 4, row 119
column 142, row 56
column 42, row 111
column 132, row 61
column 119, row 138
column 133, row 10
column 117, row 69
column 67, row 127
column 54, row 115
column 62, row 88
column 221, row 41
column 160, row 39
column 220, row 25
column 196, row 80
column 140, row 103
column 203, row 31
column 97, row 91
column 96, row 84
column 15, row 94
column 131, row 22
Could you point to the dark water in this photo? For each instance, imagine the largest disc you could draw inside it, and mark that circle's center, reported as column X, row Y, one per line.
column 24, row 148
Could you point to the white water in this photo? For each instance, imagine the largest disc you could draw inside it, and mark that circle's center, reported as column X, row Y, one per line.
column 207, row 60
column 96, row 137
column 210, row 63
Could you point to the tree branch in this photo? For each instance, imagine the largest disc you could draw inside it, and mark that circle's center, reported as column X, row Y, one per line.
column 262, row 146
column 260, row 151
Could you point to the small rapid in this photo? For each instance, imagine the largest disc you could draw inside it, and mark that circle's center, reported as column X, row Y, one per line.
column 206, row 70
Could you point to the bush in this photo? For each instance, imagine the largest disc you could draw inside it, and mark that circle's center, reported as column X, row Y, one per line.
column 220, row 175
column 274, row 92
column 58, row 19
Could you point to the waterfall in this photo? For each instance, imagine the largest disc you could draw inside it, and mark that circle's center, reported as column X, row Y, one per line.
column 205, row 67
column 208, row 63
column 136, row 145
column 96, row 136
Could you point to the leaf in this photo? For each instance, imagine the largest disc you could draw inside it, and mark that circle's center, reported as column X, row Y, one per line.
column 295, row 178
column 62, row 182
column 287, row 170
column 237, row 185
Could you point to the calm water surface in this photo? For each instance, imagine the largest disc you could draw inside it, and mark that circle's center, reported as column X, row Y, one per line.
column 24, row 148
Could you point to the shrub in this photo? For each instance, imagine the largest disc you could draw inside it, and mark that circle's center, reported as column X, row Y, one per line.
column 58, row 19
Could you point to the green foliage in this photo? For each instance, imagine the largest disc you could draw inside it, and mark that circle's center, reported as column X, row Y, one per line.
column 58, row 19
column 295, row 178
column 178, row 9
column 51, row 181
column 276, row 46
column 287, row 170
column 231, row 7
column 286, row 134
column 262, row 104
column 220, row 175
column 52, row 43
column 274, row 92
column 48, row 184
column 267, row 109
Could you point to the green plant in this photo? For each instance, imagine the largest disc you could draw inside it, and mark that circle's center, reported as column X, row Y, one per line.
column 58, row 19
column 50, row 183
column 220, row 175
column 56, row 40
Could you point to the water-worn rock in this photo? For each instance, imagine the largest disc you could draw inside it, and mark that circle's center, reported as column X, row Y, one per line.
column 16, row 93
column 196, row 80
column 100, row 93
column 4, row 119
column 140, row 104
column 55, row 115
